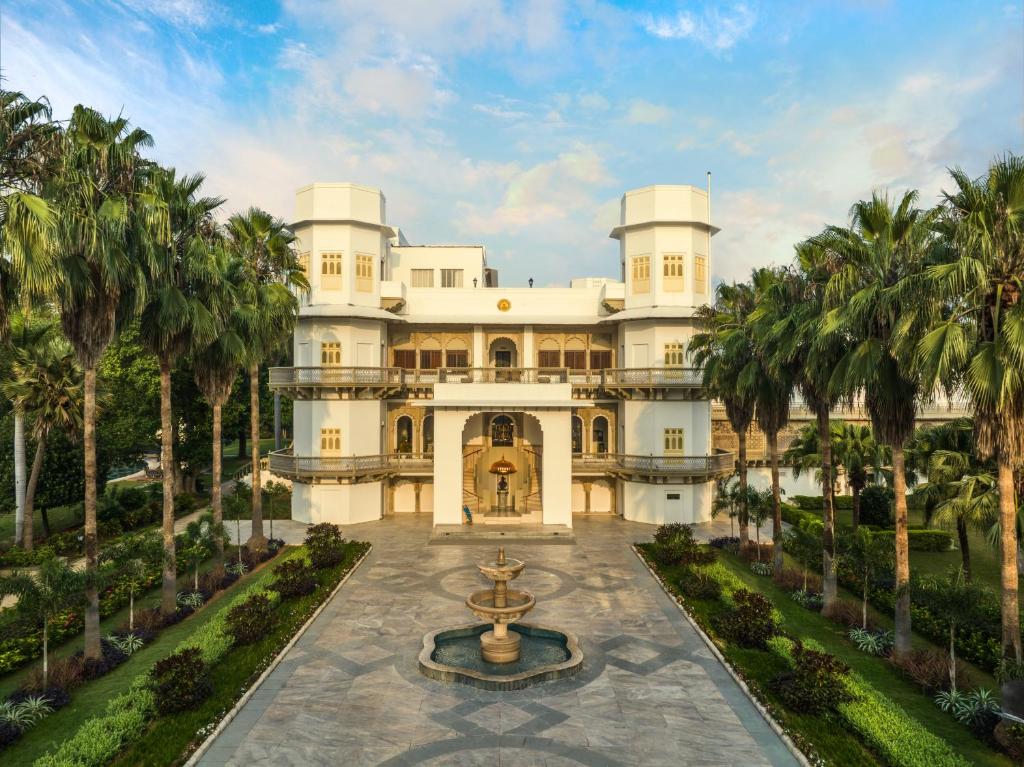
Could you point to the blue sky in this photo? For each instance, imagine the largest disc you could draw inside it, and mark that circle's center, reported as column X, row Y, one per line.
column 518, row 125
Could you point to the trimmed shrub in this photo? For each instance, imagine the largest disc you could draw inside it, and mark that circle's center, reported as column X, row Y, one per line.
column 698, row 584
column 295, row 578
column 752, row 622
column 180, row 682
column 815, row 684
column 675, row 546
column 249, row 621
column 876, row 505
column 923, row 540
column 325, row 545
column 726, row 543
column 809, row 600
column 794, row 515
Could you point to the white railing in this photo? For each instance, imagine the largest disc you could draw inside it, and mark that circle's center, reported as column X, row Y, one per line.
column 679, row 465
column 285, row 463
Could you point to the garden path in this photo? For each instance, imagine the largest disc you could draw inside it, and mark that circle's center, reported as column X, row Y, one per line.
column 349, row 692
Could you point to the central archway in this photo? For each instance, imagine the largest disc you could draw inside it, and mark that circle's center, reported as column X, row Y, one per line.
column 513, row 441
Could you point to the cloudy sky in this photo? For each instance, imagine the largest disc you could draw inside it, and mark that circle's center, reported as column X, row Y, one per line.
column 518, row 125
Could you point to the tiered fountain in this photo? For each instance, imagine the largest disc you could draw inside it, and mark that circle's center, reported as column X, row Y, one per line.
column 500, row 654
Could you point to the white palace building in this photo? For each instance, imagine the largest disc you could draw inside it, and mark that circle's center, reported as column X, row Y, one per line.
column 422, row 385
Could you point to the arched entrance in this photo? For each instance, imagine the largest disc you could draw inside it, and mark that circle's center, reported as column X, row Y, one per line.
column 503, row 353
column 502, row 466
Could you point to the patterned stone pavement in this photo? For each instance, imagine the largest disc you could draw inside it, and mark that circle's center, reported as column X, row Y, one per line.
column 349, row 692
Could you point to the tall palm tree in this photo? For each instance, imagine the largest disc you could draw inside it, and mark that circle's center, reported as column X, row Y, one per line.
column 215, row 367
column 723, row 349
column 979, row 346
column 267, row 314
column 875, row 298
column 811, row 351
column 102, row 210
column 772, row 380
column 48, row 389
column 861, row 458
column 182, row 276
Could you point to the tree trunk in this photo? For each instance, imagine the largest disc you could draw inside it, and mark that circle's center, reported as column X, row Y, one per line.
column 131, row 608
column 855, row 489
column 1008, row 570
column 965, row 547
column 92, row 593
column 864, row 603
column 168, row 593
column 257, row 541
column 46, row 652
column 952, row 657
column 741, row 465
column 44, row 516
column 773, row 456
column 899, row 486
column 828, row 533
column 19, row 476
column 216, row 503
column 179, row 479
column 30, row 492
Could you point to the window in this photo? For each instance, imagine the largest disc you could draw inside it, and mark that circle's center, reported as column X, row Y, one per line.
column 577, row 434
column 673, row 272
column 330, row 271
column 405, row 358
column 599, row 435
column 641, row 274
column 549, row 358
column 403, row 434
column 451, row 278
column 330, row 443
column 674, row 355
column 428, row 434
column 576, row 359
column 364, row 272
column 330, row 353
column 700, row 274
column 600, row 360
column 503, row 431
column 673, row 441
column 422, row 278
column 430, row 359
column 456, row 358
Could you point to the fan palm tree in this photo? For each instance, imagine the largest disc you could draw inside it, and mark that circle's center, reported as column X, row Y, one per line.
column 48, row 389
column 267, row 314
column 182, row 277
column 861, row 458
column 723, row 349
column 810, row 351
column 131, row 557
column 874, row 297
column 102, row 214
column 978, row 348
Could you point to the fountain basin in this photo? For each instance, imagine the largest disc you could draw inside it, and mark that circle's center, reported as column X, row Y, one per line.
column 453, row 655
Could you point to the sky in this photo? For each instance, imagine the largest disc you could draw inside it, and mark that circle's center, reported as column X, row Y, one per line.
column 518, row 125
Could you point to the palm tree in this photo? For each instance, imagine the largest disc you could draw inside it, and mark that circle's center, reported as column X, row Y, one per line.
column 51, row 590
column 811, row 351
column 182, row 276
column 131, row 557
column 102, row 211
column 267, row 314
column 724, row 349
column 875, row 298
column 978, row 349
column 861, row 458
column 868, row 555
column 49, row 390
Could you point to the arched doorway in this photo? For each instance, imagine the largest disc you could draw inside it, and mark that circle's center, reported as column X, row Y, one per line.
column 503, row 353
column 503, row 431
column 403, row 434
column 502, row 465
column 599, row 435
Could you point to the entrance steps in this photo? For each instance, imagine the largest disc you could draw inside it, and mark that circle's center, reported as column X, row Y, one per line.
column 477, row 533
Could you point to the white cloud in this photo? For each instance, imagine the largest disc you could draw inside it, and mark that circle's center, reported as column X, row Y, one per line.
column 593, row 102
column 713, row 29
column 642, row 112
column 181, row 13
column 393, row 89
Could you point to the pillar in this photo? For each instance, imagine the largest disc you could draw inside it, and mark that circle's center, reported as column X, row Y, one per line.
column 448, row 425
column 556, row 482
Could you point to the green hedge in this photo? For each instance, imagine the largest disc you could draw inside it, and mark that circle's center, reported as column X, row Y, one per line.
column 813, row 502
column 923, row 540
column 794, row 515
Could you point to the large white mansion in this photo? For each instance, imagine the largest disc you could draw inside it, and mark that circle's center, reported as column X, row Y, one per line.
column 421, row 385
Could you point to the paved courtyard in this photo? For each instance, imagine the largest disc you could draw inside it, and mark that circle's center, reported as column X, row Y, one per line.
column 350, row 693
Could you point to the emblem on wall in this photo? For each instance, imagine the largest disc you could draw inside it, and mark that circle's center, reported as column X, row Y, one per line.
column 504, row 305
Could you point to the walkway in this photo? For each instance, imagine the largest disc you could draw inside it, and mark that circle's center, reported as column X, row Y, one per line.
column 349, row 692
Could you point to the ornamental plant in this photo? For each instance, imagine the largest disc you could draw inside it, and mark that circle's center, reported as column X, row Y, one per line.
column 295, row 578
column 752, row 622
column 180, row 681
column 248, row 622
column 674, row 545
column 325, row 545
column 815, row 684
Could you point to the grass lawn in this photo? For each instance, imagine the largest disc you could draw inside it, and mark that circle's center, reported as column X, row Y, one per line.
column 61, row 518
column 885, row 678
column 91, row 698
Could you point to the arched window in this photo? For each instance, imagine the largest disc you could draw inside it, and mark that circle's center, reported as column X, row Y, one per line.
column 503, row 431
column 428, row 434
column 599, row 435
column 577, row 434
column 403, row 434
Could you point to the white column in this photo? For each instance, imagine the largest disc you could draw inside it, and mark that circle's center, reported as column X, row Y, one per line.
column 479, row 352
column 448, row 425
column 528, row 360
column 556, row 482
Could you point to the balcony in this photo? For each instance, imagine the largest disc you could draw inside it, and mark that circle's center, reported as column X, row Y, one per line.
column 349, row 468
column 370, row 382
column 656, row 468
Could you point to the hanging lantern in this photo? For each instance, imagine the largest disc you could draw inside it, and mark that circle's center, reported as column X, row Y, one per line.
column 503, row 467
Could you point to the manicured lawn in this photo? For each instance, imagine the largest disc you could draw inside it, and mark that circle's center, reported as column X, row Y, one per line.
column 806, row 624
column 61, row 518
column 91, row 698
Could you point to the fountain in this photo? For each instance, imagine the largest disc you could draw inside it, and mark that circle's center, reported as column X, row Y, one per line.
column 500, row 654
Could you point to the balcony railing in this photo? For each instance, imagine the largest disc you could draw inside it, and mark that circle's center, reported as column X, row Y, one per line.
column 335, row 376
column 720, row 462
column 653, row 377
column 286, row 464
column 503, row 375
